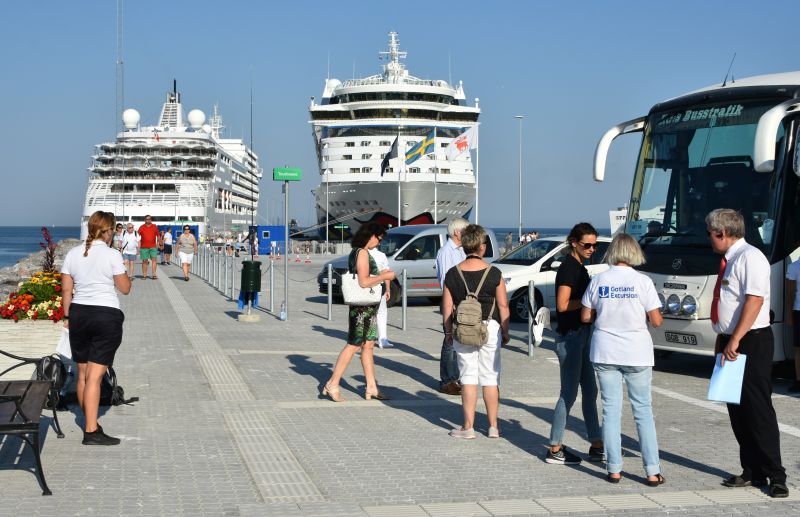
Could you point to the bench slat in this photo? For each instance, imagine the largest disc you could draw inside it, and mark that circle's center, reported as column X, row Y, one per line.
column 34, row 394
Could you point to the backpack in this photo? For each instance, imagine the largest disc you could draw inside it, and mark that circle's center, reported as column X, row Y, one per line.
column 112, row 394
column 468, row 325
column 51, row 368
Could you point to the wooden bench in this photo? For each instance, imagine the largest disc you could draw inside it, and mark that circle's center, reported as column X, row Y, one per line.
column 21, row 404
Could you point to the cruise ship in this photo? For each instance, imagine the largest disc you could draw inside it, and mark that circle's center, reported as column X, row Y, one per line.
column 180, row 171
column 355, row 125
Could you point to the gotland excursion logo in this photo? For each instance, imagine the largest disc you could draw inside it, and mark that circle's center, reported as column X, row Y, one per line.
column 617, row 292
column 604, row 290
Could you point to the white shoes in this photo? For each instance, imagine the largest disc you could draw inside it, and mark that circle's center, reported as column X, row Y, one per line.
column 384, row 343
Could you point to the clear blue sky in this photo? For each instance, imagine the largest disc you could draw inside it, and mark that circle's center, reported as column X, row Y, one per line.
column 573, row 69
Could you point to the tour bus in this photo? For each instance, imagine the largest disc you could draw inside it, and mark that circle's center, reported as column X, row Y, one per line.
column 733, row 145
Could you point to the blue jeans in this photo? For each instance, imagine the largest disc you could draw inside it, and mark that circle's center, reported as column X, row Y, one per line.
column 638, row 379
column 576, row 369
column 448, row 364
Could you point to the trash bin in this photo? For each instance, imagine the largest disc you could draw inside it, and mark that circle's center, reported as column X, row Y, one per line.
column 251, row 276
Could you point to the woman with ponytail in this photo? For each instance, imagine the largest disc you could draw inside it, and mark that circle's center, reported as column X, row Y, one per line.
column 90, row 277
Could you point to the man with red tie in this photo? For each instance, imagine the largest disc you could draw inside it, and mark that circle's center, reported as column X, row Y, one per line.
column 740, row 316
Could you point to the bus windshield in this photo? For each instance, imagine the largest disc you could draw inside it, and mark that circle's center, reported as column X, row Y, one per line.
column 695, row 159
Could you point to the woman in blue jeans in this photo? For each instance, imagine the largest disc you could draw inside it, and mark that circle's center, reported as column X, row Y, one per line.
column 572, row 348
column 623, row 300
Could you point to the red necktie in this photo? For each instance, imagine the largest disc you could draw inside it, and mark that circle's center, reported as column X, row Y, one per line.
column 715, row 302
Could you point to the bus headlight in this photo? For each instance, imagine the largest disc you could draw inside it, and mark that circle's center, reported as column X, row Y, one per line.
column 663, row 301
column 688, row 305
column 673, row 304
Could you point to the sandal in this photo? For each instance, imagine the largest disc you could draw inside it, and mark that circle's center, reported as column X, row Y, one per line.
column 332, row 392
column 612, row 479
column 658, row 481
column 377, row 395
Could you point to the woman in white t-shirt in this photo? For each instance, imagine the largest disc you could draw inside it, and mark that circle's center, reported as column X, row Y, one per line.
column 90, row 277
column 793, row 316
column 623, row 300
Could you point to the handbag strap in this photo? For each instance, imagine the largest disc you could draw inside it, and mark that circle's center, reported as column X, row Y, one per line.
column 477, row 289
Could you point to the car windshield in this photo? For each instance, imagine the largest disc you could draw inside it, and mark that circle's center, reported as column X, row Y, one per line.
column 529, row 253
column 392, row 242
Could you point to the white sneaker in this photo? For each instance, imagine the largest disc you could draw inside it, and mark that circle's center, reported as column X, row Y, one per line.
column 385, row 344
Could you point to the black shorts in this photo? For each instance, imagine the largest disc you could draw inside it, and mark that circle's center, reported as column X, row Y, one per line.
column 95, row 333
column 168, row 249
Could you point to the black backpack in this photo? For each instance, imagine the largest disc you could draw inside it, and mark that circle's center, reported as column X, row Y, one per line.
column 112, row 394
column 51, row 368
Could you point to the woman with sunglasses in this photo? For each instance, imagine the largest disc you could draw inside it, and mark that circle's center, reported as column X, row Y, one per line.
column 187, row 247
column 362, row 325
column 572, row 347
column 91, row 275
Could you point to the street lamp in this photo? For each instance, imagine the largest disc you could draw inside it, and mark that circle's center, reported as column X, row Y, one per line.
column 519, row 117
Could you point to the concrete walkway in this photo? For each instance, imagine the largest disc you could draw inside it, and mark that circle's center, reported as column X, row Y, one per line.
column 230, row 422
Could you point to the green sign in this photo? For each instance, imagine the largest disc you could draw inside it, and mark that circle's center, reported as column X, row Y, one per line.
column 286, row 174
column 341, row 226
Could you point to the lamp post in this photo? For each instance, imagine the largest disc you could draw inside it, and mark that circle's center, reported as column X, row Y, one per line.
column 519, row 117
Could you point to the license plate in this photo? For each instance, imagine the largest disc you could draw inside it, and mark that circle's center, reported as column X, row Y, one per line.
column 325, row 281
column 678, row 337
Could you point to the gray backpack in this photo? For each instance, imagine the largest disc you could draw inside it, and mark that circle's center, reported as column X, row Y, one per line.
column 468, row 325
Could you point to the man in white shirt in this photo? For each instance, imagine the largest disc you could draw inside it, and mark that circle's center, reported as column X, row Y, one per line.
column 383, row 263
column 129, row 246
column 740, row 316
column 449, row 255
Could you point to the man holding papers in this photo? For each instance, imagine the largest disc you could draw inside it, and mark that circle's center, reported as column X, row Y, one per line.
column 740, row 316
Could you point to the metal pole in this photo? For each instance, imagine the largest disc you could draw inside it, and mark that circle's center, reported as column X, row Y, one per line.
column 531, row 315
column 271, row 290
column 405, row 299
column 225, row 273
column 233, row 280
column 327, row 214
column 286, row 245
column 330, row 292
column 519, row 117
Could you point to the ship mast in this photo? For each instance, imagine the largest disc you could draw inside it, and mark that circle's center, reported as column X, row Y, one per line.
column 394, row 71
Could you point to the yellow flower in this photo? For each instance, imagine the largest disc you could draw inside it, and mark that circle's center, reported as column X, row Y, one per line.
column 49, row 313
column 30, row 313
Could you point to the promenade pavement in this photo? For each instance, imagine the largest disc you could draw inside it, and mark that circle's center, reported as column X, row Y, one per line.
column 230, row 422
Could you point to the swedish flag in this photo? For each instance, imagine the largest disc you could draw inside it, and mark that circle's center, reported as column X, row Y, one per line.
column 426, row 146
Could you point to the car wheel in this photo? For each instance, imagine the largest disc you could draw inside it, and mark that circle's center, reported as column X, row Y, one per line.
column 519, row 305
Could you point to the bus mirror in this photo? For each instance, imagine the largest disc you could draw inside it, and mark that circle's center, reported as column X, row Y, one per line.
column 601, row 153
column 796, row 161
column 767, row 132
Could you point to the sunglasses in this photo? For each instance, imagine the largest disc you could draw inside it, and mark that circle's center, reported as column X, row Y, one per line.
column 715, row 234
column 588, row 245
column 186, row 229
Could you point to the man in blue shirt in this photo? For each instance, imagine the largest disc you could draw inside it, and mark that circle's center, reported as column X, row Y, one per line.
column 449, row 255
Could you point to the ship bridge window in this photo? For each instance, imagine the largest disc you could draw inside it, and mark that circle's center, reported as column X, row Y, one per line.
column 117, row 188
column 385, row 142
column 365, row 143
column 366, row 169
column 355, row 170
column 166, row 187
column 366, row 156
column 413, row 169
column 347, row 157
column 349, row 144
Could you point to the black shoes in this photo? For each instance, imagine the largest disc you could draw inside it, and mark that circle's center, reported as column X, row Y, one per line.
column 795, row 388
column 98, row 437
column 739, row 482
column 597, row 454
column 778, row 490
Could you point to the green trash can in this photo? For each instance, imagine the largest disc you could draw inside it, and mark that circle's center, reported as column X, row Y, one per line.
column 251, row 276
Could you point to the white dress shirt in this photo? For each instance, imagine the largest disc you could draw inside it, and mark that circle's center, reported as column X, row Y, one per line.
column 746, row 273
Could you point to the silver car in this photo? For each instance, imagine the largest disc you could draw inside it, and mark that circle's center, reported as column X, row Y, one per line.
column 414, row 249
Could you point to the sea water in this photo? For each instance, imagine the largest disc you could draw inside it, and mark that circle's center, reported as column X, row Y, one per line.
column 17, row 242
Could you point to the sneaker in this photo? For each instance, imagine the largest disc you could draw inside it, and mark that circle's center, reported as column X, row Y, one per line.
column 562, row 457
column 493, row 432
column 778, row 490
column 795, row 388
column 597, row 454
column 98, row 437
column 385, row 344
column 464, row 434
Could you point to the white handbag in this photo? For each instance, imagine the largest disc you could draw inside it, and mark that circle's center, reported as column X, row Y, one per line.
column 354, row 294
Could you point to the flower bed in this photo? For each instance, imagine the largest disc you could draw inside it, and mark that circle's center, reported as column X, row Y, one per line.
column 37, row 299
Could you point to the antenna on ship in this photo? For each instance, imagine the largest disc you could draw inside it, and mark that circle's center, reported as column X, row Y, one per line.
column 393, row 69
column 725, row 81
column 120, row 87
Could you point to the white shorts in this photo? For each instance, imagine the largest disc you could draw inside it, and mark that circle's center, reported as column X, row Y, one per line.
column 480, row 364
column 185, row 258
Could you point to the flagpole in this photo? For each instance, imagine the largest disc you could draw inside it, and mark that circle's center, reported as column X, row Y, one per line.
column 477, row 169
column 435, row 181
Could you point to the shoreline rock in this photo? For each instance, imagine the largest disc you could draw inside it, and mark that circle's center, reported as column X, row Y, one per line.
column 11, row 276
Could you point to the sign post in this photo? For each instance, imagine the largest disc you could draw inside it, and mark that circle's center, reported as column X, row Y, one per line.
column 286, row 174
column 341, row 227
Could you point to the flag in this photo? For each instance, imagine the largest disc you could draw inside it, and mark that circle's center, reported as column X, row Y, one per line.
column 155, row 135
column 393, row 153
column 462, row 143
column 425, row 146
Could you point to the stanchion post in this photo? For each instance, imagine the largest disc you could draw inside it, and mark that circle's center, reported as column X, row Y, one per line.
column 531, row 316
column 405, row 298
column 271, row 287
column 330, row 292
column 225, row 271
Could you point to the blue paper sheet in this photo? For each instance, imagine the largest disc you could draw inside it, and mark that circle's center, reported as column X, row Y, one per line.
column 726, row 381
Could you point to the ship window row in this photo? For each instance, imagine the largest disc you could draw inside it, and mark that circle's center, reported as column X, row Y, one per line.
column 393, row 96
column 357, row 203
column 144, row 187
column 156, row 152
column 387, row 131
column 395, row 113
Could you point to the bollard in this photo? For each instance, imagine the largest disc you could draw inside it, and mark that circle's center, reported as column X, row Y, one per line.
column 531, row 316
column 330, row 292
column 226, row 268
column 271, row 285
column 233, row 279
column 405, row 298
